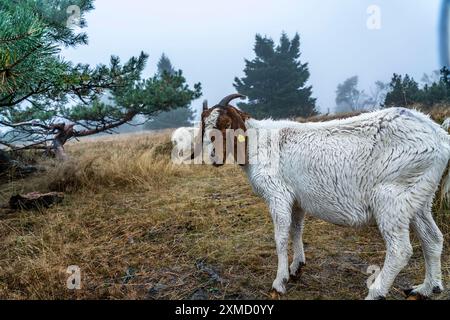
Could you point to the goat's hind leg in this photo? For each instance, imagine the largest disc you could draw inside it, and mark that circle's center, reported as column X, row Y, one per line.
column 432, row 242
column 298, row 217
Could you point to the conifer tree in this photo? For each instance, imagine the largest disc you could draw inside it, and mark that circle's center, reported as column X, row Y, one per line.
column 165, row 65
column 180, row 117
column 275, row 81
column 403, row 92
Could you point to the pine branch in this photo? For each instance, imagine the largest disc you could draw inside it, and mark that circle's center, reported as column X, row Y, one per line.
column 105, row 127
column 15, row 38
column 21, row 60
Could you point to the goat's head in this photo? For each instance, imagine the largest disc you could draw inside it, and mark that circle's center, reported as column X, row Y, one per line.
column 223, row 132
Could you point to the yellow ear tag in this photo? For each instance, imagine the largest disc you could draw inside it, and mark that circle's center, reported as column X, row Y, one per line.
column 241, row 138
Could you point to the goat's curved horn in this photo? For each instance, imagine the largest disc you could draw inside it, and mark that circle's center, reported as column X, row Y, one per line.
column 205, row 105
column 225, row 101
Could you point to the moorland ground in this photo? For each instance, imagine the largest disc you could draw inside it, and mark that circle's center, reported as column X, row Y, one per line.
column 140, row 227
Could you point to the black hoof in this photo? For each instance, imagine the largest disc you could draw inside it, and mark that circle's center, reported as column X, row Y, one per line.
column 417, row 297
column 380, row 298
column 437, row 290
column 410, row 295
column 298, row 273
column 408, row 292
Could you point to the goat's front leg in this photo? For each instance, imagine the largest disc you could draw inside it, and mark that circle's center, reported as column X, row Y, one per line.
column 298, row 217
column 281, row 214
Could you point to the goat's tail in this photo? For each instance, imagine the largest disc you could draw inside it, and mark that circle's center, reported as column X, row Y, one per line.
column 444, row 190
column 443, row 195
column 446, row 124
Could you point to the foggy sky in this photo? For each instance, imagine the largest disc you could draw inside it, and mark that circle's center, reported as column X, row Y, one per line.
column 209, row 40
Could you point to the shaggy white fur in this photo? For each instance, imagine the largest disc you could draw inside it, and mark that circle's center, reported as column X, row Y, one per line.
column 382, row 167
column 183, row 141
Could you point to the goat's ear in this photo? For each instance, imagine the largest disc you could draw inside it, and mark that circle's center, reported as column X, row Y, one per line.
column 240, row 138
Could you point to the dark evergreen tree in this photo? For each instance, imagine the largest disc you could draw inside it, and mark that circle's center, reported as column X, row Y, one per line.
column 164, row 65
column 275, row 81
column 403, row 92
column 179, row 117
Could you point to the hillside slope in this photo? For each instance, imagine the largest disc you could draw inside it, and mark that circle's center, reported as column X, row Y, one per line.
column 140, row 228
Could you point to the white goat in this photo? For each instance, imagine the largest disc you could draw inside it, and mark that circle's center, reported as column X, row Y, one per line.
column 381, row 168
column 183, row 141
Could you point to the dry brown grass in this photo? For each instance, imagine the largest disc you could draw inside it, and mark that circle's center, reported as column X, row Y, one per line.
column 142, row 228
